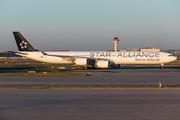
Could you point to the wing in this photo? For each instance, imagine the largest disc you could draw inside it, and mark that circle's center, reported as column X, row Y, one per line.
column 66, row 57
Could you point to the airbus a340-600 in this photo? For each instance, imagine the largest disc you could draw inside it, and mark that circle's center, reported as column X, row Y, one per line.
column 94, row 59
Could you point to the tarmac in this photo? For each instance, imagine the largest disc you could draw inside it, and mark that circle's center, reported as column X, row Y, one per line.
column 89, row 103
column 136, row 76
column 93, row 103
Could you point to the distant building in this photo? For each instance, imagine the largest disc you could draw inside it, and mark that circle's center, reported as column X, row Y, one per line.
column 150, row 49
column 178, row 52
column 7, row 55
column 132, row 50
column 122, row 50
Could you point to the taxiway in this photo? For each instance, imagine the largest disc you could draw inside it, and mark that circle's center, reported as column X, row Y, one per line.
column 89, row 103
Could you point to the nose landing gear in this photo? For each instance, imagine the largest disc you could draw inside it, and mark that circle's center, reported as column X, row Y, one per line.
column 162, row 66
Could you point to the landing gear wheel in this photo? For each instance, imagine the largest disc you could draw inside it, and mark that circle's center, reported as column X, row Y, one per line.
column 162, row 66
column 85, row 67
column 82, row 68
column 119, row 66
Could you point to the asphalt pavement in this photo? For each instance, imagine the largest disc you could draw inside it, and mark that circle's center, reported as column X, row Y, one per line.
column 89, row 103
column 103, row 76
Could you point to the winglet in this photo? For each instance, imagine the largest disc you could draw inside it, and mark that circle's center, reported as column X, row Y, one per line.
column 44, row 53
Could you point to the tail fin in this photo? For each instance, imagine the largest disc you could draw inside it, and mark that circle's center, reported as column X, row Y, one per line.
column 22, row 43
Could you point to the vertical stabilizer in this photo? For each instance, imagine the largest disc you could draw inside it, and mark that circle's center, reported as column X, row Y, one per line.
column 22, row 43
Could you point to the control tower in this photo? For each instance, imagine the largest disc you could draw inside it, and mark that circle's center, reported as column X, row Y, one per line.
column 115, row 40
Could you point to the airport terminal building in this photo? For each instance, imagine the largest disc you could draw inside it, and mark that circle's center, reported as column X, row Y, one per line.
column 7, row 55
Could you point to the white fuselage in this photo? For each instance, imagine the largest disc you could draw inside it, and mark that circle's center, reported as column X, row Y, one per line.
column 138, row 57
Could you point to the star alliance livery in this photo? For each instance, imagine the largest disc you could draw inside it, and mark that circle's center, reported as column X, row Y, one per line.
column 99, row 59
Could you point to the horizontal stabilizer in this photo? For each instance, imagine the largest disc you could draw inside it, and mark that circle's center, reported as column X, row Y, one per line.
column 18, row 53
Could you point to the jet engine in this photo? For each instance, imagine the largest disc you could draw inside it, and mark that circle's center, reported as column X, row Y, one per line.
column 84, row 61
column 81, row 61
column 103, row 64
column 107, row 64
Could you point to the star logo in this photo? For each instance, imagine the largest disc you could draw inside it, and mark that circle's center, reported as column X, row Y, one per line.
column 23, row 45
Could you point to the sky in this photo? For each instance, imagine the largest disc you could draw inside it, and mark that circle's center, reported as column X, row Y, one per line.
column 87, row 25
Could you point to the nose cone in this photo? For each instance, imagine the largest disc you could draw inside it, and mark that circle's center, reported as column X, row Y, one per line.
column 175, row 58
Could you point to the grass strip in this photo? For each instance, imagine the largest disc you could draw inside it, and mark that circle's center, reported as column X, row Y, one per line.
column 86, row 86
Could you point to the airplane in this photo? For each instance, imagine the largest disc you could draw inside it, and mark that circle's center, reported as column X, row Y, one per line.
column 91, row 59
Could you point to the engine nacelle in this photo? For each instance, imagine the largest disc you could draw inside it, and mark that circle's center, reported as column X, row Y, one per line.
column 103, row 64
column 113, row 65
column 84, row 61
column 81, row 61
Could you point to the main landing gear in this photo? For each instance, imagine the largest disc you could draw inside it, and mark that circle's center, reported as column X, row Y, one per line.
column 162, row 66
column 85, row 67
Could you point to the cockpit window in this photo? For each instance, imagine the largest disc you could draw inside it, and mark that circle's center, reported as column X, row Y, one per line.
column 170, row 55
